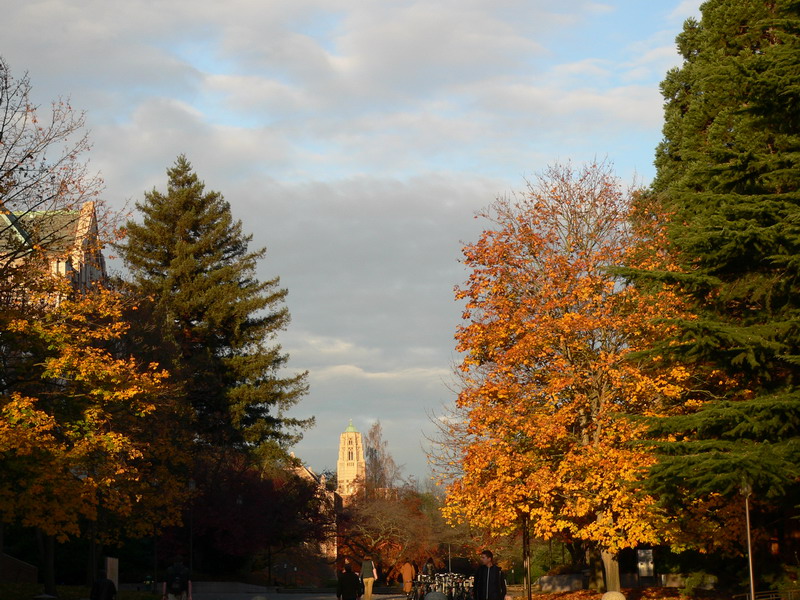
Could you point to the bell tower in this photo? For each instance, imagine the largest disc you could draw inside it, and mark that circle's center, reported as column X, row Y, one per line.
column 351, row 469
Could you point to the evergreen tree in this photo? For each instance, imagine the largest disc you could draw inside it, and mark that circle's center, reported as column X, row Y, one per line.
column 214, row 322
column 728, row 170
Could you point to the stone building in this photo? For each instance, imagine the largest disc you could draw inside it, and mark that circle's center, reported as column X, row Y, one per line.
column 351, row 468
column 69, row 239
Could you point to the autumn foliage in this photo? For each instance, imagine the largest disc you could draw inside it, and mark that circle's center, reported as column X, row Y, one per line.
column 549, row 371
column 77, row 437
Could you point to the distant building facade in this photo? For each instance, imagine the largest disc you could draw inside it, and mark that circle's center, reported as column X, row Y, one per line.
column 351, row 468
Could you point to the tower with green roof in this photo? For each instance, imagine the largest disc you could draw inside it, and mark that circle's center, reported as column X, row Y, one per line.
column 351, row 468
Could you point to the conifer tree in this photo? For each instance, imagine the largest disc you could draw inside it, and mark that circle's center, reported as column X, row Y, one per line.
column 214, row 322
column 728, row 170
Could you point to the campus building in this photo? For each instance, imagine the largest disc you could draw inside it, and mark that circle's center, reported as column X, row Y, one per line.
column 351, row 468
column 68, row 240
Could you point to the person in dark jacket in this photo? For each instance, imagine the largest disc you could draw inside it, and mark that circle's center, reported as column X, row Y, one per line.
column 103, row 588
column 429, row 570
column 349, row 585
column 490, row 584
column 178, row 580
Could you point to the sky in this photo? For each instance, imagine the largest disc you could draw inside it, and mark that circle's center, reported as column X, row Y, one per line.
column 356, row 140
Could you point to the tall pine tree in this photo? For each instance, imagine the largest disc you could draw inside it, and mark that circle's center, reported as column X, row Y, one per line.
column 728, row 170
column 214, row 322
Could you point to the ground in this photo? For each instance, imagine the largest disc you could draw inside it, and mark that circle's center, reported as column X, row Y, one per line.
column 28, row 591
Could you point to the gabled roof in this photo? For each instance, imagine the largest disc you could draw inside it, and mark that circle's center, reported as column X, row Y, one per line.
column 53, row 231
column 9, row 223
column 56, row 232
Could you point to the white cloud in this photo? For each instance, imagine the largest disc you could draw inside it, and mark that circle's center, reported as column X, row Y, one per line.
column 589, row 67
column 267, row 99
column 355, row 373
column 686, row 9
column 355, row 139
column 651, row 64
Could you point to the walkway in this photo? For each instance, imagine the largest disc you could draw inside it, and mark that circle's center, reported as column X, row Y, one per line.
column 211, row 590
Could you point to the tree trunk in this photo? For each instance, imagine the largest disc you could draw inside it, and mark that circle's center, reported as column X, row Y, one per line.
column 47, row 554
column 91, row 562
column 577, row 556
column 155, row 563
column 526, row 556
column 2, row 575
column 611, row 568
column 596, row 581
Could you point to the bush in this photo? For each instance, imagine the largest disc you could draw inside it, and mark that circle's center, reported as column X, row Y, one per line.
column 697, row 580
column 566, row 570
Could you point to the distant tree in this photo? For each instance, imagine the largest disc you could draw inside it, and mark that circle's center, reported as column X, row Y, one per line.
column 398, row 526
column 215, row 323
column 728, row 169
column 331, row 479
column 382, row 471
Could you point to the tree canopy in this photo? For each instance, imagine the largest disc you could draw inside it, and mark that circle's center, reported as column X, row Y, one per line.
column 728, row 170
column 215, row 321
column 548, row 371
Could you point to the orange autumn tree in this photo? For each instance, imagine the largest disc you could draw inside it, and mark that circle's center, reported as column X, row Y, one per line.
column 540, row 437
column 84, row 442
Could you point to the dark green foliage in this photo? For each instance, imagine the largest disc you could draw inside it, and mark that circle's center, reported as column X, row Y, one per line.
column 731, row 444
column 211, row 322
column 729, row 174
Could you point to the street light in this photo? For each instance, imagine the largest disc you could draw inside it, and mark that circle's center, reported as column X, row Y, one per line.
column 192, row 488
column 747, row 490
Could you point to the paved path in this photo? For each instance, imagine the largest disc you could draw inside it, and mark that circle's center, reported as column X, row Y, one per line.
column 260, row 595
column 240, row 591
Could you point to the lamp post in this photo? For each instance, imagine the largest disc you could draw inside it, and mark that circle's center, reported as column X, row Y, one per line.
column 192, row 488
column 746, row 491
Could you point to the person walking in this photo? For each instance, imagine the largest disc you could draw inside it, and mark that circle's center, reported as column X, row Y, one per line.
column 348, row 586
column 408, row 571
column 490, row 584
column 178, row 581
column 368, row 576
column 429, row 570
column 103, row 588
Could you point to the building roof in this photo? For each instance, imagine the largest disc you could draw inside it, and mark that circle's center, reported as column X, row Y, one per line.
column 67, row 238
column 9, row 224
column 53, row 231
column 350, row 428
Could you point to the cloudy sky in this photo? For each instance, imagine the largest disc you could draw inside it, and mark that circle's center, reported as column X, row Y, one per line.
column 355, row 139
